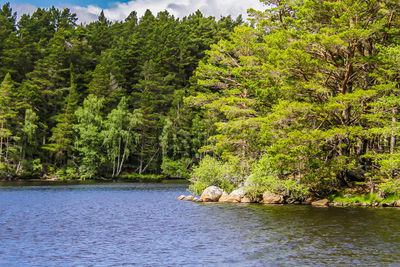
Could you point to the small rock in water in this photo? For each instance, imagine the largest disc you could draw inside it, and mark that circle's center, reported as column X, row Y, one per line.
column 190, row 198
column 320, row 203
column 308, row 201
column 196, row 199
column 181, row 197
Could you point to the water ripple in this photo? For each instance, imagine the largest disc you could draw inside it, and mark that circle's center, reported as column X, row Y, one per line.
column 143, row 225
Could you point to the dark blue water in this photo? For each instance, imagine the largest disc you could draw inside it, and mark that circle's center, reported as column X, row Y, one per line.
column 143, row 225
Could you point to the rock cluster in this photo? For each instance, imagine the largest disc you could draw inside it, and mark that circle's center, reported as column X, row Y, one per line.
column 216, row 194
column 234, row 197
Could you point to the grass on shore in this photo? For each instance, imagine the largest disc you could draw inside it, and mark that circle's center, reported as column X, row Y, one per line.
column 368, row 199
column 141, row 177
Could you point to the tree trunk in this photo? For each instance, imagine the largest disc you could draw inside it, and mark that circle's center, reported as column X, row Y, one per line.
column 371, row 181
column 141, row 154
column 7, row 142
column 393, row 136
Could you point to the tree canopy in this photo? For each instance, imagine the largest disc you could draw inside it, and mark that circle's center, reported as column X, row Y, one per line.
column 301, row 100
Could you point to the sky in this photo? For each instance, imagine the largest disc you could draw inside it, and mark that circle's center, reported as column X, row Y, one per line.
column 88, row 10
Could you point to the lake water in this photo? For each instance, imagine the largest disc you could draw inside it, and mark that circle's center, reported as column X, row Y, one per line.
column 144, row 225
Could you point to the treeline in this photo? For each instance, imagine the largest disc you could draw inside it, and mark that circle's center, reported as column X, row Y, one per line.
column 303, row 100
column 96, row 100
column 306, row 102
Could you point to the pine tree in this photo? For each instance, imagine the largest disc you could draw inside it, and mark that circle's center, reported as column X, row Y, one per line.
column 62, row 139
column 155, row 95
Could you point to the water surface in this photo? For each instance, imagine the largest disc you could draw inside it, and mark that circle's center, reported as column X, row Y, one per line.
column 143, row 225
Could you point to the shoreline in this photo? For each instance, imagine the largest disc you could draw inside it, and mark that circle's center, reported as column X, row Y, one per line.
column 330, row 204
column 45, row 182
column 213, row 194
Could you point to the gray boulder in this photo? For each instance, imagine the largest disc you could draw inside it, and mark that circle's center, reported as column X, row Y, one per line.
column 224, row 197
column 211, row 194
column 272, row 198
column 236, row 195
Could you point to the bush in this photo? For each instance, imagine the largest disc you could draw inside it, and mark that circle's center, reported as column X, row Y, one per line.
column 390, row 187
column 176, row 168
column 67, row 173
column 263, row 179
column 214, row 172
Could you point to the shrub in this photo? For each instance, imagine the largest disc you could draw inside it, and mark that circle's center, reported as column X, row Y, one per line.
column 263, row 179
column 176, row 168
column 390, row 187
column 214, row 172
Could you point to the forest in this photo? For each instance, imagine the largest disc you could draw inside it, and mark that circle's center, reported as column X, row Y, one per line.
column 301, row 99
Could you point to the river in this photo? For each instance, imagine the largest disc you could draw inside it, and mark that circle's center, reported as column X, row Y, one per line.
column 144, row 225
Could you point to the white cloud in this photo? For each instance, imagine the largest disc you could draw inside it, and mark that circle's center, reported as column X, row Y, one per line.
column 23, row 9
column 179, row 8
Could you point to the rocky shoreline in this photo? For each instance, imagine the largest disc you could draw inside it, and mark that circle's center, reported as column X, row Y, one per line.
column 216, row 194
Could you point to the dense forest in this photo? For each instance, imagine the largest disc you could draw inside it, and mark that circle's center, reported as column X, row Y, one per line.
column 301, row 99
column 100, row 99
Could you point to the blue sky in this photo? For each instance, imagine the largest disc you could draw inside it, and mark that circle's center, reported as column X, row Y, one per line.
column 88, row 10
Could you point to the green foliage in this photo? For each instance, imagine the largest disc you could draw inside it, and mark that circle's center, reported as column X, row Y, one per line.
column 176, row 168
column 390, row 187
column 29, row 130
column 304, row 101
column 121, row 135
column 67, row 173
column 88, row 142
column 142, row 177
column 213, row 172
column 311, row 92
column 8, row 112
column 263, row 178
column 369, row 199
column 140, row 68
column 62, row 139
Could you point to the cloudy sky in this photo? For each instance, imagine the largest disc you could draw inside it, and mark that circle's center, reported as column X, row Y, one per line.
column 88, row 10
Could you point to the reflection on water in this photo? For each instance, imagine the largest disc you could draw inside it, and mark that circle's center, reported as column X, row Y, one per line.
column 143, row 224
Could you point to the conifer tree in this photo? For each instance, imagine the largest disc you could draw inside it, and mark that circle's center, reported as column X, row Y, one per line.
column 62, row 139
